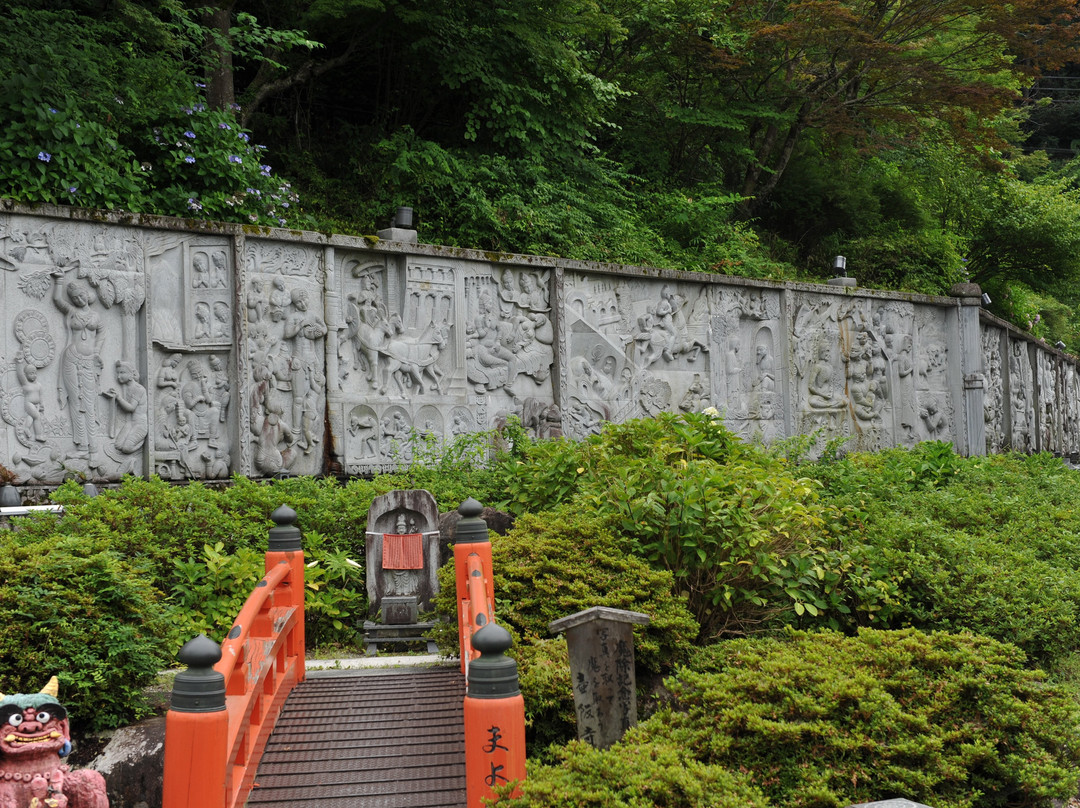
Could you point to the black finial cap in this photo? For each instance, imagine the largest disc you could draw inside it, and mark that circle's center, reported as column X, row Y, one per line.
column 285, row 537
column 470, row 529
column 494, row 675
column 200, row 688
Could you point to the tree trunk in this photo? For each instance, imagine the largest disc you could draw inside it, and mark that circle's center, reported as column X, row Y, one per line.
column 220, row 90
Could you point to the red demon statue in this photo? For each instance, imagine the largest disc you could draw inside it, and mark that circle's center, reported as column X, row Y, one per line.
column 34, row 735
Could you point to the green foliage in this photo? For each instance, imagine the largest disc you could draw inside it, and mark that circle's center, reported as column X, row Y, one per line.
column 544, row 676
column 925, row 261
column 99, row 112
column 75, row 607
column 985, row 544
column 452, row 470
column 209, row 591
column 745, row 539
column 200, row 162
column 555, row 564
column 634, row 774
column 203, row 547
column 50, row 151
column 952, row 720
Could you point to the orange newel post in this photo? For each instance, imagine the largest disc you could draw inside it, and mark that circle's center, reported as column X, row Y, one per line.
column 285, row 544
column 494, row 718
column 472, row 572
column 197, row 727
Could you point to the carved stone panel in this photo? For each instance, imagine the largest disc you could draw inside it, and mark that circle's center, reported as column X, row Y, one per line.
column 936, row 409
column 994, row 395
column 1070, row 394
column 1049, row 412
column 432, row 350
column 71, row 398
column 286, row 359
column 191, row 380
column 1022, row 400
column 746, row 329
column 633, row 348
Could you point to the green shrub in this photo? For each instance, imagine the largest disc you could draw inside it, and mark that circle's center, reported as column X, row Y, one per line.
column 925, row 261
column 544, row 676
column 74, row 607
column 199, row 162
column 952, row 720
column 51, row 151
column 986, row 544
column 555, row 564
column 633, row 774
column 746, row 540
column 203, row 547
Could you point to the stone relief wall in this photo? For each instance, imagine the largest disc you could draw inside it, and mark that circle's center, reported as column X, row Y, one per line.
column 140, row 347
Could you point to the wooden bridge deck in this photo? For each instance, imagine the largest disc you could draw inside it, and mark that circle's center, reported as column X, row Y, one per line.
column 368, row 739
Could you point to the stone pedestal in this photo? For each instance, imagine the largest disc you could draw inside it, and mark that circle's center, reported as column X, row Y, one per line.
column 601, row 646
column 894, row 803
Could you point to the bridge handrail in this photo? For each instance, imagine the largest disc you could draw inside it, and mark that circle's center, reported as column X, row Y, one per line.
column 494, row 708
column 221, row 716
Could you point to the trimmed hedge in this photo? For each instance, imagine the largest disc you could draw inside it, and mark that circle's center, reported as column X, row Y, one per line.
column 820, row 720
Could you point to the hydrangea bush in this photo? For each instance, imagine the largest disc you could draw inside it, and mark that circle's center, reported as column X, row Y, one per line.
column 202, row 163
column 193, row 162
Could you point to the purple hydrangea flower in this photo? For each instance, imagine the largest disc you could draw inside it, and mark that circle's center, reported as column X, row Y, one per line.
column 189, row 134
column 44, row 156
column 189, row 159
column 194, row 204
column 244, row 136
column 235, row 158
column 73, row 189
column 223, row 125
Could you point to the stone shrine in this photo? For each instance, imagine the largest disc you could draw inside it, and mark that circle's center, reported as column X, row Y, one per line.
column 402, row 552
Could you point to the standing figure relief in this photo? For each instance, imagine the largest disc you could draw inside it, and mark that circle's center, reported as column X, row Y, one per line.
column 81, row 362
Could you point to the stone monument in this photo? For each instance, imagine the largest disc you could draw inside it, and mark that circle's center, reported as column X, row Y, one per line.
column 36, row 735
column 402, row 551
column 601, row 644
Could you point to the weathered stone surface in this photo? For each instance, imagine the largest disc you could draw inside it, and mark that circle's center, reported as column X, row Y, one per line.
column 601, row 646
column 136, row 345
column 894, row 803
column 132, row 764
column 498, row 522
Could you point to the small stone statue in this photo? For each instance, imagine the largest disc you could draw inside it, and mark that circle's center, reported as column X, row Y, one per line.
column 34, row 735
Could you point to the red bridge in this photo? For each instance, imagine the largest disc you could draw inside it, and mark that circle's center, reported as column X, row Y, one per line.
column 246, row 725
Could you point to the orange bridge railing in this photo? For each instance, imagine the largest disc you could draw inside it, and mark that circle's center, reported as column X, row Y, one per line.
column 494, row 708
column 225, row 705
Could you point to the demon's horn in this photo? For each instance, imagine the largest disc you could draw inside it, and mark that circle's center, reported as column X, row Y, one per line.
column 52, row 688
